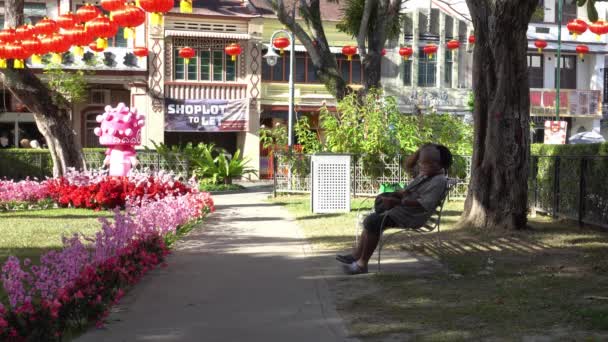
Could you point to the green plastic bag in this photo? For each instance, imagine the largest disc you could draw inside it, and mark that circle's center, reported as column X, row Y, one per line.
column 391, row 187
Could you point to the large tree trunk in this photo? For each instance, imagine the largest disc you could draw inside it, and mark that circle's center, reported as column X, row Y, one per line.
column 498, row 196
column 54, row 124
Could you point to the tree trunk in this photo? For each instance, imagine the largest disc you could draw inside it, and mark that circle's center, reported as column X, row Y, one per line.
column 54, row 124
column 498, row 191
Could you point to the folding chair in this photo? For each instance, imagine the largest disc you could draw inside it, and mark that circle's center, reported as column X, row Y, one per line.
column 433, row 223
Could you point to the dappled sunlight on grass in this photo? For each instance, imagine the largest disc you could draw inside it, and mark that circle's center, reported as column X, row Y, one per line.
column 548, row 282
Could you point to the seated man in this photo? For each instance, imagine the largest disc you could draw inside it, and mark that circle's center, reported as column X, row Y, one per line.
column 408, row 208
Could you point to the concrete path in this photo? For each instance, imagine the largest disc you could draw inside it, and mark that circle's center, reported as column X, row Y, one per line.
column 245, row 275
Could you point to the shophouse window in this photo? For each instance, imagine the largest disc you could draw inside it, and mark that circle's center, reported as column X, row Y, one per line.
column 408, row 26
column 407, row 73
column 568, row 72
column 535, row 71
column 207, row 66
column 91, row 140
column 449, row 62
column 304, row 70
column 427, row 69
column 569, row 10
column 449, row 27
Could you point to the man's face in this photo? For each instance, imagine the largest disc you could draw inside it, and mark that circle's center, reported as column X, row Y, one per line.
column 428, row 162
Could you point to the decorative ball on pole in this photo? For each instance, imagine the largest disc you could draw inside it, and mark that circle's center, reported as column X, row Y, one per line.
column 406, row 52
column 186, row 53
column 120, row 130
column 233, row 50
column 540, row 45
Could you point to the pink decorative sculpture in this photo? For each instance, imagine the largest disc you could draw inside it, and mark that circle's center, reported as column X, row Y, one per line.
column 121, row 131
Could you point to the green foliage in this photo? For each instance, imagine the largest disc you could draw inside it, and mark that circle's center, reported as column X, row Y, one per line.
column 471, row 101
column 208, row 161
column 353, row 14
column 72, row 86
column 375, row 126
column 19, row 163
column 229, row 168
column 274, row 137
column 207, row 186
column 307, row 138
column 570, row 150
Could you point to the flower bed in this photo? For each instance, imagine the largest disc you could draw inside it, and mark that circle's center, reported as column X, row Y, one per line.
column 90, row 190
column 76, row 285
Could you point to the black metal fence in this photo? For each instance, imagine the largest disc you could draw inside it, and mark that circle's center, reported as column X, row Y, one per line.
column 573, row 187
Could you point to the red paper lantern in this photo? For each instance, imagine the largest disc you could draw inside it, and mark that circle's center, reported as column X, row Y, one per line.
column 582, row 49
column 430, row 50
column 140, row 52
column 46, row 44
column 186, row 53
column 129, row 17
column 599, row 28
column 406, row 52
column 102, row 28
column 349, row 51
column 67, row 20
column 157, row 8
column 111, row 5
column 80, row 38
column 233, row 50
column 18, row 53
column 33, row 46
column 93, row 46
column 24, row 32
column 472, row 39
column 8, row 35
column 3, row 56
column 453, row 44
column 59, row 45
column 281, row 43
column 383, row 52
column 87, row 13
column 540, row 45
column 576, row 27
column 46, row 27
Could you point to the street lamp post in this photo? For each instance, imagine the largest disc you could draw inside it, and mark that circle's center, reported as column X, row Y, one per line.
column 272, row 58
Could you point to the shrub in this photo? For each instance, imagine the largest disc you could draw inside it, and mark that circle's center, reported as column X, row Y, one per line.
column 570, row 150
column 20, row 163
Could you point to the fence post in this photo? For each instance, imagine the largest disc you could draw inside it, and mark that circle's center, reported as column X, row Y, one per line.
column 582, row 192
column 353, row 181
column 274, row 173
column 535, row 173
column 556, row 186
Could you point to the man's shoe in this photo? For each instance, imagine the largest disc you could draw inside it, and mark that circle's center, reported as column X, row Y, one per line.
column 345, row 259
column 353, row 269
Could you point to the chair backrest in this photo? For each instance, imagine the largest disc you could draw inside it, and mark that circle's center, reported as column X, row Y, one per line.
column 435, row 219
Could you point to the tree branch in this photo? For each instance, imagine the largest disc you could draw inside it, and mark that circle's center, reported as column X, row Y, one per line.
column 364, row 27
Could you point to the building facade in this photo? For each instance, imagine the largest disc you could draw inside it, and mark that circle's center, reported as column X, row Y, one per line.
column 215, row 99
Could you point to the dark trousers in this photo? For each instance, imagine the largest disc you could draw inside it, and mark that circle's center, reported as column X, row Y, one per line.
column 374, row 223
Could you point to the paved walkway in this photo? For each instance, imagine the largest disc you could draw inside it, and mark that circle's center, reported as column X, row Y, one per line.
column 245, row 275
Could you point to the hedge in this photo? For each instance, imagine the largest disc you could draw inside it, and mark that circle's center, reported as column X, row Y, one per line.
column 570, row 150
column 19, row 163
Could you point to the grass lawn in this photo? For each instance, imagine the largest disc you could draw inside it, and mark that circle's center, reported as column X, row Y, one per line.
column 547, row 283
column 27, row 234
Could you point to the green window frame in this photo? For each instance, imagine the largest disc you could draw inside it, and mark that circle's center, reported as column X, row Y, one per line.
column 207, row 66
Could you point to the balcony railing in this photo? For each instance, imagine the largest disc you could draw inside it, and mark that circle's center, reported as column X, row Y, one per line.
column 216, row 91
column 572, row 102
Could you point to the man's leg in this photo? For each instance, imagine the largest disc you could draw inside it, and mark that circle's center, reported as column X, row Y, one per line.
column 371, row 232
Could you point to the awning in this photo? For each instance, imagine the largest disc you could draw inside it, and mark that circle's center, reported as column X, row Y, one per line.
column 204, row 34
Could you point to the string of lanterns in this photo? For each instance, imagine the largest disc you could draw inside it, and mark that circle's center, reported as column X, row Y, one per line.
column 88, row 27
